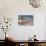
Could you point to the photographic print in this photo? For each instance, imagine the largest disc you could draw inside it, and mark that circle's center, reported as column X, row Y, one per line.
column 25, row 20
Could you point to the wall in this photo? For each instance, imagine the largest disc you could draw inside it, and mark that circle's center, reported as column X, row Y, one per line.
column 12, row 8
column 45, row 28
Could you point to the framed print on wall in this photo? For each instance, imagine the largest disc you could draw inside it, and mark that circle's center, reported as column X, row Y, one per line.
column 25, row 20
